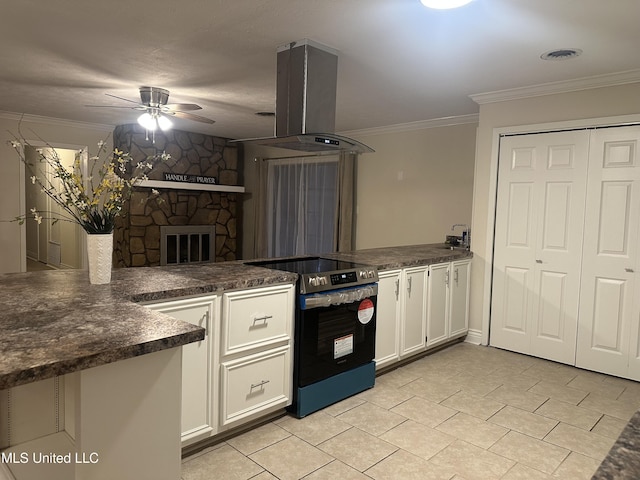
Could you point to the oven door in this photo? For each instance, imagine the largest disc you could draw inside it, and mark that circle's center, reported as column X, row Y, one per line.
column 335, row 332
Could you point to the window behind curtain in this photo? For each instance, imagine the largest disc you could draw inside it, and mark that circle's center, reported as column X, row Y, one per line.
column 302, row 199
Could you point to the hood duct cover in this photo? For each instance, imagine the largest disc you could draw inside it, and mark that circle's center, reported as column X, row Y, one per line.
column 306, row 85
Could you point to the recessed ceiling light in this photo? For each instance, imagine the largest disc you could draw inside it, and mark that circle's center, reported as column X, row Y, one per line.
column 561, row 54
column 444, row 4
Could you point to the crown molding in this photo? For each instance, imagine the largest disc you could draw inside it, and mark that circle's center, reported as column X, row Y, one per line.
column 17, row 117
column 565, row 86
column 411, row 126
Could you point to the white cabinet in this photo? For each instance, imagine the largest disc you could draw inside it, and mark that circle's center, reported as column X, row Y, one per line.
column 402, row 313
column 388, row 318
column 414, row 311
column 199, row 376
column 448, row 301
column 256, row 353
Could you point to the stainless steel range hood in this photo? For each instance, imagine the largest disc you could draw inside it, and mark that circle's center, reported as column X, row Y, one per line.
column 306, row 84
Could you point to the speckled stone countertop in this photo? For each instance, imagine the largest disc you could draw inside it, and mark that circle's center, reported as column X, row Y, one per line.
column 623, row 460
column 55, row 322
column 389, row 258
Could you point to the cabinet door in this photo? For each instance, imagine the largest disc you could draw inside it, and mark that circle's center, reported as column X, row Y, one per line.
column 388, row 318
column 255, row 384
column 415, row 303
column 198, row 382
column 538, row 243
column 438, row 304
column 459, row 302
column 609, row 316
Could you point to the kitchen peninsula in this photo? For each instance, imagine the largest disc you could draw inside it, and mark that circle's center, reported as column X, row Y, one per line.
column 120, row 364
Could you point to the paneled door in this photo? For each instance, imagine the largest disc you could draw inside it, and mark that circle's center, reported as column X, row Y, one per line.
column 538, row 243
column 608, row 335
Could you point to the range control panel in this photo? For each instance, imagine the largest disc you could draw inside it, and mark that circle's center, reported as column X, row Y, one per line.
column 318, row 282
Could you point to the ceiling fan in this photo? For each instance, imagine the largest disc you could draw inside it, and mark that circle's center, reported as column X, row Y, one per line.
column 153, row 102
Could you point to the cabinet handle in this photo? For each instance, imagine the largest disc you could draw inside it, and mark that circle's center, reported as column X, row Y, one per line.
column 455, row 275
column 409, row 285
column 628, row 270
column 397, row 288
column 259, row 385
column 538, row 261
column 446, row 278
column 263, row 319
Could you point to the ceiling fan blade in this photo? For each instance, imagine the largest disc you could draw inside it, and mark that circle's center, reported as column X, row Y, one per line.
column 191, row 116
column 181, row 107
column 139, row 107
column 121, row 98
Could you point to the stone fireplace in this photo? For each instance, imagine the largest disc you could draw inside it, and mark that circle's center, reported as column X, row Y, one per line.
column 137, row 237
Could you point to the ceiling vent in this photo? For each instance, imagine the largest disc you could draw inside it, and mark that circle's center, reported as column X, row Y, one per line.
column 561, row 54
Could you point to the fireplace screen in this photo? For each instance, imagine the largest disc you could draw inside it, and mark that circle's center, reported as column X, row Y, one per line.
column 187, row 244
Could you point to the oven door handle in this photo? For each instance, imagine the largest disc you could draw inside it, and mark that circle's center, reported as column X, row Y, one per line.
column 338, row 297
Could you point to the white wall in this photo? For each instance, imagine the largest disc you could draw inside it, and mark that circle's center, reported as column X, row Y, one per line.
column 415, row 186
column 56, row 132
column 584, row 104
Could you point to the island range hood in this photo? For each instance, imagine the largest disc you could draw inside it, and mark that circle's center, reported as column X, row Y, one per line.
column 306, row 84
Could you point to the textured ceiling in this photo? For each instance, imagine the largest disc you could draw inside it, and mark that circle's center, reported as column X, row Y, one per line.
column 398, row 62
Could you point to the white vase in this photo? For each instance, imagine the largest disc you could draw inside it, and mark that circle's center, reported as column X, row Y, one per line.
column 100, row 253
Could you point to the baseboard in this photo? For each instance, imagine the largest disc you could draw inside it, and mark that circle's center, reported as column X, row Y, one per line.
column 474, row 336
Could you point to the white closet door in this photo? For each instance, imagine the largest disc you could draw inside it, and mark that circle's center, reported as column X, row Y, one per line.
column 609, row 312
column 538, row 240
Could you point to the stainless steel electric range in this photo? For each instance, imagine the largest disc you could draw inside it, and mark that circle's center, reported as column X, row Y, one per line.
column 334, row 331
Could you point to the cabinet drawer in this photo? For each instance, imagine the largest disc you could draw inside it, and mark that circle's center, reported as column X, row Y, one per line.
column 254, row 384
column 256, row 318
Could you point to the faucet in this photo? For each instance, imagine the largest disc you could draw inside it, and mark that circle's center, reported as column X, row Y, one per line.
column 466, row 234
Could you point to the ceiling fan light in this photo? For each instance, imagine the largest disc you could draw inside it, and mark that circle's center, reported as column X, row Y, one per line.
column 147, row 121
column 444, row 4
column 164, row 123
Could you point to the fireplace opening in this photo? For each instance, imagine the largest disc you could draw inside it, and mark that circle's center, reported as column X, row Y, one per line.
column 182, row 244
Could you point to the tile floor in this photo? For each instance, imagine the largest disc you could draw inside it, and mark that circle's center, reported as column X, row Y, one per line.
column 467, row 412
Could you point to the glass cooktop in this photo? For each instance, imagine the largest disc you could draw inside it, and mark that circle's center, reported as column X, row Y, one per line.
column 306, row 265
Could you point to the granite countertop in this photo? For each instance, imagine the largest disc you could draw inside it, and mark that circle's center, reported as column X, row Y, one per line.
column 55, row 322
column 623, row 460
column 389, row 258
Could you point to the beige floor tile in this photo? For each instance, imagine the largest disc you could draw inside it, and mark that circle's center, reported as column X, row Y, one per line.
column 405, row 466
column 559, row 392
column 569, row 413
column 224, row 462
column 479, row 385
column 396, row 378
column 336, row 470
column 423, row 411
column 290, row 459
column 575, row 439
column 473, row 405
column 522, row 472
column 418, row 439
column 610, row 427
column 614, row 408
column 258, row 438
column 594, row 383
column 385, row 396
column 315, row 428
column 551, row 372
column 357, row 449
column 371, row 418
column 513, row 380
column 343, row 406
column 517, row 398
column 262, row 476
column 577, row 467
column 471, row 462
column 630, row 395
column 473, row 430
column 521, row 421
column 537, row 454
column 431, row 390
